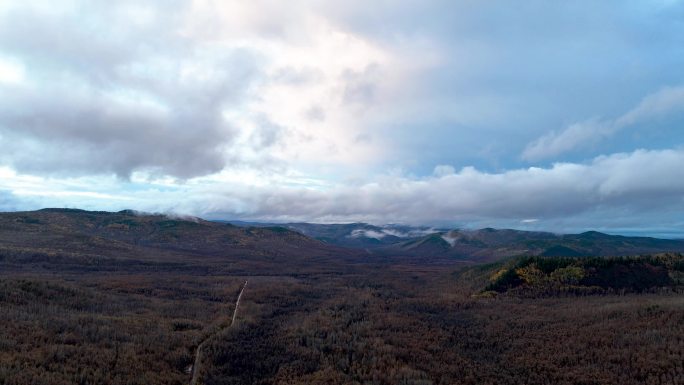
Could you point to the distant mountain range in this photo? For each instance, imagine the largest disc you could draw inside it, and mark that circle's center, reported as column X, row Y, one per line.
column 477, row 245
column 491, row 244
column 78, row 237
column 358, row 235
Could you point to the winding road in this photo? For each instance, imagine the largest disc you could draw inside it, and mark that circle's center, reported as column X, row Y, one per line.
column 195, row 369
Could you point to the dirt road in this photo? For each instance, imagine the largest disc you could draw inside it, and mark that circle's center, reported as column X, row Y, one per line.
column 195, row 369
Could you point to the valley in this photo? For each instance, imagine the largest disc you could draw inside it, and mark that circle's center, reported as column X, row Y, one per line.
column 127, row 298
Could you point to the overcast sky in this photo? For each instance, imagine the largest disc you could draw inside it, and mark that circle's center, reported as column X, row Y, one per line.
column 546, row 115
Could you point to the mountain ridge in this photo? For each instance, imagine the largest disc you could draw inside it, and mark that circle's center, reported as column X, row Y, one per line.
column 486, row 244
column 168, row 238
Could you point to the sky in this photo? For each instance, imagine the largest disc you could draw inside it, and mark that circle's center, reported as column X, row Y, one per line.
column 540, row 115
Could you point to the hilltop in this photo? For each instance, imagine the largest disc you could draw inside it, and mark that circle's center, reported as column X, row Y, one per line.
column 483, row 245
column 99, row 239
column 491, row 244
column 552, row 276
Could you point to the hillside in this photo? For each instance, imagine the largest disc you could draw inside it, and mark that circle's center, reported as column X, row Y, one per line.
column 78, row 237
column 553, row 276
column 425, row 244
column 358, row 235
column 126, row 298
column 491, row 244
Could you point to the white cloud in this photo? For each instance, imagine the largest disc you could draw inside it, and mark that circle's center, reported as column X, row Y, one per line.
column 385, row 231
column 617, row 189
column 414, row 232
column 631, row 180
column 449, row 238
column 665, row 101
column 555, row 143
column 358, row 233
column 11, row 72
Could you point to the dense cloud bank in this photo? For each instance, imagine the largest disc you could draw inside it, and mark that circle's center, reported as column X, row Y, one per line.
column 636, row 182
column 628, row 189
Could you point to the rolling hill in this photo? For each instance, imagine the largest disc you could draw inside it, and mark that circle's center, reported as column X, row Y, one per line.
column 128, row 298
column 97, row 239
column 488, row 244
column 491, row 244
column 358, row 235
column 562, row 276
column 78, row 237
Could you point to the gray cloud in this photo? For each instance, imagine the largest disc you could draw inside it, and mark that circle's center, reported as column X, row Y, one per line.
column 315, row 113
column 118, row 99
column 359, row 86
column 267, row 133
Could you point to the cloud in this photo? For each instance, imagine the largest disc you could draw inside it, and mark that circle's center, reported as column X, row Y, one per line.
column 666, row 101
column 385, row 231
column 555, row 143
column 642, row 180
column 301, row 109
column 615, row 190
column 118, row 99
column 361, row 233
column 177, row 87
column 183, row 89
column 485, row 78
column 10, row 71
column 661, row 103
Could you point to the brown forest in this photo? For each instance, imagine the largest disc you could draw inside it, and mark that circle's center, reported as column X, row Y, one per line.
column 80, row 316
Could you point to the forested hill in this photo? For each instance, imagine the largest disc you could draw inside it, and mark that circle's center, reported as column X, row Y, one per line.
column 96, row 239
column 494, row 244
column 89, row 237
column 552, row 276
column 483, row 245
column 127, row 298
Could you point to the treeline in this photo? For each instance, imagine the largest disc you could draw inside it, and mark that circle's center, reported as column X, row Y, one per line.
column 591, row 275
